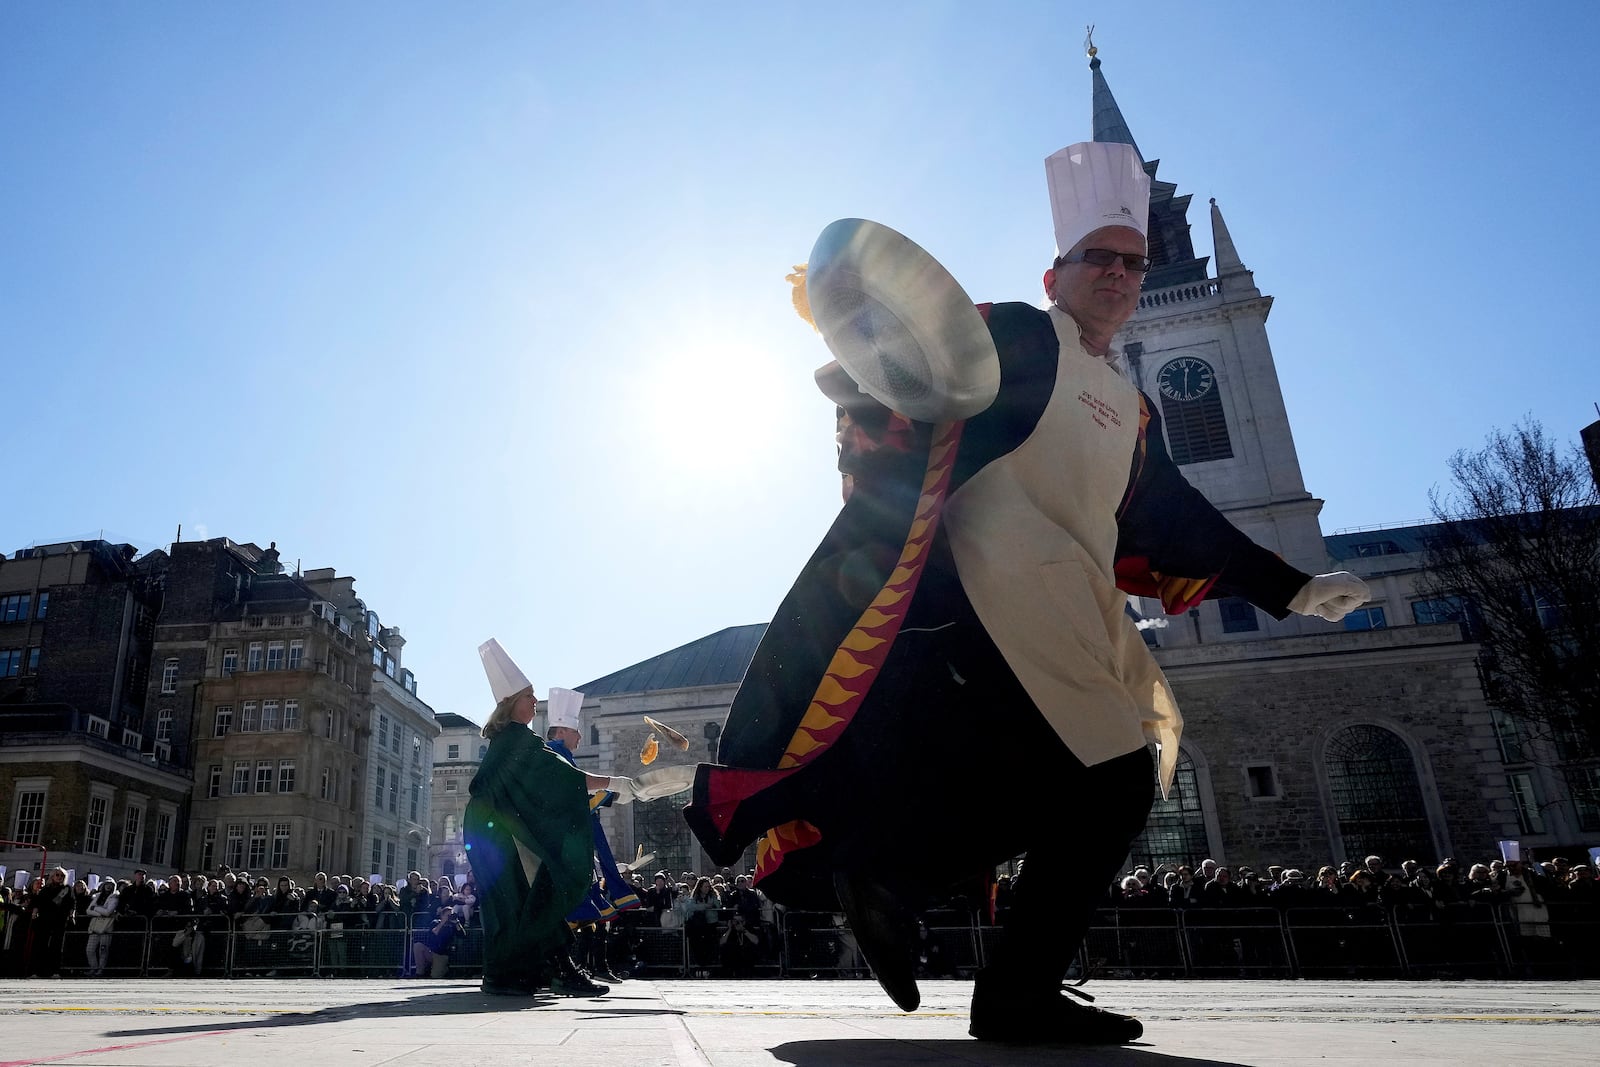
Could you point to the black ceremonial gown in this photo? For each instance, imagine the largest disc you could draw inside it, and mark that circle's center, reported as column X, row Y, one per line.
column 530, row 846
column 909, row 711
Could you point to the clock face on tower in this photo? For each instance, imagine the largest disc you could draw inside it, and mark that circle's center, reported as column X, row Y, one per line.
column 1186, row 378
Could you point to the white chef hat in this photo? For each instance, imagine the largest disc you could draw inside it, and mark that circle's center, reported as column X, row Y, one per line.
column 505, row 677
column 1094, row 184
column 565, row 708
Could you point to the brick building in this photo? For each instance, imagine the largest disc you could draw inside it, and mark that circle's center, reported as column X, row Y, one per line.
column 199, row 706
column 271, row 680
column 84, row 770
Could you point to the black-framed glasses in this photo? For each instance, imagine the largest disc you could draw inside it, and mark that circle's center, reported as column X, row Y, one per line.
column 1104, row 257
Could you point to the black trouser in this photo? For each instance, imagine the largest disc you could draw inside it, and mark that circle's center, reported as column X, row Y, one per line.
column 1066, row 872
column 47, row 938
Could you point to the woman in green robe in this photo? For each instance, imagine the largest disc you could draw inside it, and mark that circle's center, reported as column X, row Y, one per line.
column 530, row 845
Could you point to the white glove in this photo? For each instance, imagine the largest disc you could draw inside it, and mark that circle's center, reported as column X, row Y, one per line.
column 625, row 789
column 1331, row 596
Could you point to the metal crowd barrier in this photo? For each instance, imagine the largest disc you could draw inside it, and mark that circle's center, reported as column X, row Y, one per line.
column 1459, row 941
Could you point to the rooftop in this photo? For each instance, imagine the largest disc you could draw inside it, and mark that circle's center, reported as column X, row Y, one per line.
column 717, row 659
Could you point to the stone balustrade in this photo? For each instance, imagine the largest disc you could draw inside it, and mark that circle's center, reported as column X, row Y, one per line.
column 1180, row 294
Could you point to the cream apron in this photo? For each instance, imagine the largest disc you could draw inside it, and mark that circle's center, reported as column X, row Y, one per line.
column 1034, row 534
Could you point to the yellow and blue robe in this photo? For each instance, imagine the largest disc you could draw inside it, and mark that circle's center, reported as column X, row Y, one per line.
column 609, row 891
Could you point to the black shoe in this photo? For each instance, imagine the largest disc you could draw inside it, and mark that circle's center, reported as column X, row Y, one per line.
column 505, row 989
column 577, row 984
column 1001, row 1011
column 884, row 933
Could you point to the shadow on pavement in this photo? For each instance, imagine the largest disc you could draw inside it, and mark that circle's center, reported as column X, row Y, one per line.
column 466, row 1002
column 884, row 1053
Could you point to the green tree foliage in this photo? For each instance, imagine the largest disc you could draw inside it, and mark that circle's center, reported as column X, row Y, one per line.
column 1519, row 545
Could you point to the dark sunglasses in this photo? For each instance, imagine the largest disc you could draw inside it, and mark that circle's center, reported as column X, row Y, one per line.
column 1104, row 257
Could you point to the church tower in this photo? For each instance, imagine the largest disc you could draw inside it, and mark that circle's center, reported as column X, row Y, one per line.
column 1198, row 346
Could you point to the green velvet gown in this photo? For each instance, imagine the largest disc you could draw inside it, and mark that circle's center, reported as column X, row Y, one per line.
column 531, row 848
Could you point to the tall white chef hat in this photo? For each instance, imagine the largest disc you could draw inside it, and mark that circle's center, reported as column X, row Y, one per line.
column 1094, row 184
column 505, row 677
column 565, row 708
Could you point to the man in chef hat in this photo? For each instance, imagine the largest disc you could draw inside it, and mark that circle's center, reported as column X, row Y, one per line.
column 978, row 574
column 610, row 892
column 530, row 843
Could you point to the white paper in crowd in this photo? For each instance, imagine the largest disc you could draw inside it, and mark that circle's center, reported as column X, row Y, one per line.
column 72, row 875
column 1094, row 184
column 94, row 882
column 22, row 879
column 1510, row 850
column 2, row 872
column 374, row 879
column 1594, row 858
column 505, row 677
column 565, row 708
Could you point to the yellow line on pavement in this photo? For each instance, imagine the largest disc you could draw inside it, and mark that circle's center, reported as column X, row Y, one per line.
column 29, row 1009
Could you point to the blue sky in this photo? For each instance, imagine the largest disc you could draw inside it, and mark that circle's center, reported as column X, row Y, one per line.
column 484, row 304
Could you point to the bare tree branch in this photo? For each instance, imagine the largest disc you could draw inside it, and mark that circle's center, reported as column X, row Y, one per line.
column 1518, row 549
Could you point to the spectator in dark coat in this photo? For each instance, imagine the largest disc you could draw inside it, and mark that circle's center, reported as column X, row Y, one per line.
column 660, row 896
column 139, row 899
column 285, row 905
column 321, row 892
column 51, row 911
column 1291, row 892
column 415, row 896
column 1220, row 892
column 1186, row 893
column 80, row 905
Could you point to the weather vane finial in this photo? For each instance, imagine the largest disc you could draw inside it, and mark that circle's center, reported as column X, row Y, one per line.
column 1088, row 42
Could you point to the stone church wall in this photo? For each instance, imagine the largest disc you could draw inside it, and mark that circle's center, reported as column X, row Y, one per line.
column 1278, row 703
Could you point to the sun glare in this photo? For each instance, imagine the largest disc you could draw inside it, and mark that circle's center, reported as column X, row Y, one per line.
column 713, row 409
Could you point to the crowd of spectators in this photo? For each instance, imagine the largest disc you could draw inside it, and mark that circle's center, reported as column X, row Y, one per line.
column 1546, row 912
column 184, row 911
column 728, row 926
column 1409, row 888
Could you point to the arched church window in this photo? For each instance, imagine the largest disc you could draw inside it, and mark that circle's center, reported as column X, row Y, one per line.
column 1377, row 797
column 449, row 827
column 1176, row 830
column 661, row 829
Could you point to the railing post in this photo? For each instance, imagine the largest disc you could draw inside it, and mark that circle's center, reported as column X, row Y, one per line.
column 1289, row 951
column 1399, row 942
column 1181, row 925
column 1496, row 918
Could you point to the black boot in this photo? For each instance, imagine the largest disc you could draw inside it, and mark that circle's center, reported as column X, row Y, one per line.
column 1003, row 1010
column 885, row 932
column 570, row 980
column 577, row 984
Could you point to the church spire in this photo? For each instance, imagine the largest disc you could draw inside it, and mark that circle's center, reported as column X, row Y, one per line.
column 1109, row 125
column 1167, row 234
column 1235, row 279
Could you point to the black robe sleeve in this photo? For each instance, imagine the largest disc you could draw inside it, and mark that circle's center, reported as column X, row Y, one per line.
column 1171, row 525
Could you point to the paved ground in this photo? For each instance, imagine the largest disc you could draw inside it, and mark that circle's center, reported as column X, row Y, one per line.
column 742, row 1024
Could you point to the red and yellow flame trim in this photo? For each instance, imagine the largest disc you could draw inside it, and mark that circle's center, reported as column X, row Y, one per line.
column 859, row 657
